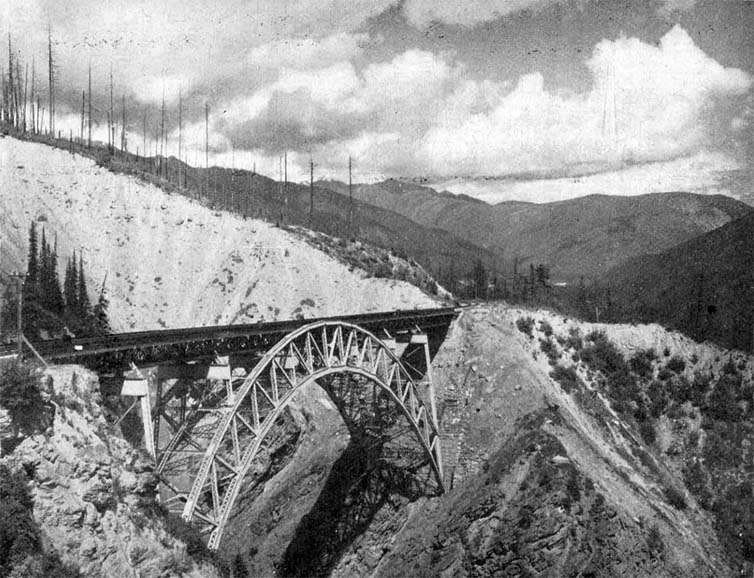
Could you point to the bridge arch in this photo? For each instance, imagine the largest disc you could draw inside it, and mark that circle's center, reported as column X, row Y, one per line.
column 246, row 413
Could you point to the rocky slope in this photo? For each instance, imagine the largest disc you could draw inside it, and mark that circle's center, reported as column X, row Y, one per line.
column 169, row 261
column 548, row 476
column 92, row 493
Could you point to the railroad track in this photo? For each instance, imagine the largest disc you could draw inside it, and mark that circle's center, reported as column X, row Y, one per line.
column 120, row 349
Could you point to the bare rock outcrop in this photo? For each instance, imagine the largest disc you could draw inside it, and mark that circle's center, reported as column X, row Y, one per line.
column 93, row 493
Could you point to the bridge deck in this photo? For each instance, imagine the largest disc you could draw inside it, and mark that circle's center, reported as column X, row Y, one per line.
column 143, row 347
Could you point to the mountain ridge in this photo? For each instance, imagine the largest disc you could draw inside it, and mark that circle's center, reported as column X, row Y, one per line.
column 578, row 237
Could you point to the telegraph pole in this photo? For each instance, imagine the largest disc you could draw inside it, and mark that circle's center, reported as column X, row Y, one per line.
column 311, row 191
column 89, row 136
column 206, row 144
column 180, row 133
column 350, row 199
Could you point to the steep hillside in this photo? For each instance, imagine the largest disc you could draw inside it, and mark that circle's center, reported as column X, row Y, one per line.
column 550, row 474
column 250, row 194
column 704, row 287
column 257, row 195
column 584, row 236
column 89, row 494
column 169, row 261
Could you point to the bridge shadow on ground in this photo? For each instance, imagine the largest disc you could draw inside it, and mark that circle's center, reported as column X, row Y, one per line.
column 361, row 482
column 382, row 465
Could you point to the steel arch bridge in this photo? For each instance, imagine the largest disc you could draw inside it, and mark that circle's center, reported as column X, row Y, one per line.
column 224, row 431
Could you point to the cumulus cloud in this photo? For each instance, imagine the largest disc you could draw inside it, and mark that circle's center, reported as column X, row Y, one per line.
column 648, row 103
column 305, row 108
column 420, row 115
column 146, row 42
column 415, row 113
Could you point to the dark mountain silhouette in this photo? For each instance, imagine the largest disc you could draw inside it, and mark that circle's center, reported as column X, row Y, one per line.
column 704, row 287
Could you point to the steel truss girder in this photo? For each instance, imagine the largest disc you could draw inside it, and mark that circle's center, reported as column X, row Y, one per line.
column 251, row 408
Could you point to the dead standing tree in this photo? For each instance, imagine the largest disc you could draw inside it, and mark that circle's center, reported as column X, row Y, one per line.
column 11, row 86
column 89, row 137
column 311, row 191
column 31, row 98
column 180, row 133
column 111, row 118
column 206, row 145
column 51, row 81
column 83, row 108
column 26, row 87
column 123, row 134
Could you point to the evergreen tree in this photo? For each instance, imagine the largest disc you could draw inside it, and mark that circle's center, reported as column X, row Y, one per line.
column 532, row 281
column 32, row 263
column 609, row 313
column 480, row 280
column 100, row 318
column 84, row 306
column 30, row 288
column 10, row 312
column 581, row 298
column 543, row 275
column 43, row 273
column 71, row 288
column 56, row 296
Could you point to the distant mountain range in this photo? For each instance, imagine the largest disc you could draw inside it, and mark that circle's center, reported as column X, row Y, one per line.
column 585, row 237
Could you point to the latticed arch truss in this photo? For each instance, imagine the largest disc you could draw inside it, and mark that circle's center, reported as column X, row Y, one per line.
column 243, row 415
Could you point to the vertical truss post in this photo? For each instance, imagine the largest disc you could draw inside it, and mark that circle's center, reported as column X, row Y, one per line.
column 136, row 384
column 157, row 414
column 423, row 339
column 146, row 418
column 221, row 371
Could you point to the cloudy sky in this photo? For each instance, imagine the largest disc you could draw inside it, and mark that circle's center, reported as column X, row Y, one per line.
column 442, row 89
